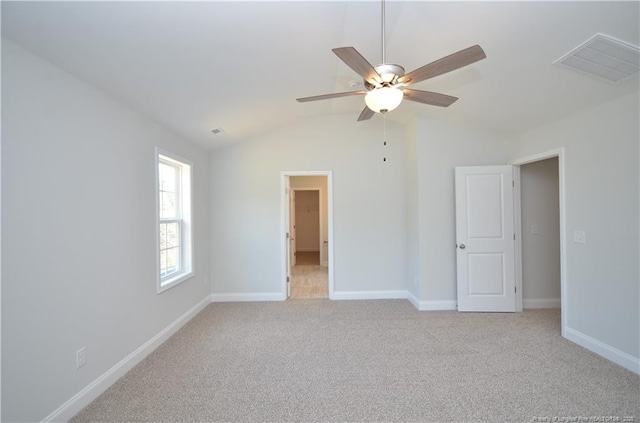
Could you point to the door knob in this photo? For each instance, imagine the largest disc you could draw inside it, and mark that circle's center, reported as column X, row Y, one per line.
column 462, row 246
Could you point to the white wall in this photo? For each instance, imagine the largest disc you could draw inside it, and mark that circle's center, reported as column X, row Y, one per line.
column 441, row 146
column 79, row 236
column 369, row 198
column 413, row 213
column 540, row 251
column 0, row 255
column 601, row 179
column 391, row 218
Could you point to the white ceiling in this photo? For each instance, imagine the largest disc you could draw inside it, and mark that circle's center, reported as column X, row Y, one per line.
column 193, row 66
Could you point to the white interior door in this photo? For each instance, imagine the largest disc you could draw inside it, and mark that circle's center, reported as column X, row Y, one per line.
column 290, row 219
column 287, row 234
column 485, row 238
column 292, row 227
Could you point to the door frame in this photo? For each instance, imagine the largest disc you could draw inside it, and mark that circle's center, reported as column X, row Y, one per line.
column 560, row 154
column 284, row 221
column 320, row 214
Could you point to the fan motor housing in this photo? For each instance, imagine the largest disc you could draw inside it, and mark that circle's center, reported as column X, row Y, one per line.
column 389, row 72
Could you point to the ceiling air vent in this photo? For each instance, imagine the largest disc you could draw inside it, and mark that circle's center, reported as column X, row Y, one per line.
column 605, row 58
column 218, row 131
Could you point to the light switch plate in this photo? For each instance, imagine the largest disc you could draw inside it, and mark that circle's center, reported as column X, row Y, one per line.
column 579, row 237
column 535, row 230
column 81, row 357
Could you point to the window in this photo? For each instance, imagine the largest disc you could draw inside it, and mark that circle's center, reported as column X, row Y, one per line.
column 173, row 220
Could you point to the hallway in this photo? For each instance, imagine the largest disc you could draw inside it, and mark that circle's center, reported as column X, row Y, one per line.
column 308, row 278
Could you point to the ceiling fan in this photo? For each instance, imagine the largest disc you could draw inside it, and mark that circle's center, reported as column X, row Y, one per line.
column 386, row 83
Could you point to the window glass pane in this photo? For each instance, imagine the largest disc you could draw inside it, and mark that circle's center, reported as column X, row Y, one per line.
column 173, row 178
column 163, row 236
column 163, row 263
column 167, row 177
column 173, row 260
column 168, row 207
column 173, row 235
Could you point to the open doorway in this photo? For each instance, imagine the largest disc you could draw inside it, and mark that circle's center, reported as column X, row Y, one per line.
column 309, row 279
column 540, row 223
column 539, row 196
column 307, row 223
column 491, row 219
column 307, row 226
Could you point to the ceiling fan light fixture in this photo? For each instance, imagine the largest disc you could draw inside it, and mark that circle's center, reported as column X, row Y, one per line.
column 386, row 84
column 384, row 99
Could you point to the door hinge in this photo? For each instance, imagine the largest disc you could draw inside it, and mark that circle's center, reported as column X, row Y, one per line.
column 514, row 237
column 287, row 235
column 513, row 184
column 287, row 279
column 515, row 288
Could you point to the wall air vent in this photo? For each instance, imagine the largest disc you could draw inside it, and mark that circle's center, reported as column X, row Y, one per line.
column 218, row 131
column 605, row 58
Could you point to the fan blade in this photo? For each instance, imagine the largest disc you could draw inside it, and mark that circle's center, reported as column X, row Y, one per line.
column 328, row 96
column 366, row 114
column 359, row 64
column 446, row 64
column 427, row 97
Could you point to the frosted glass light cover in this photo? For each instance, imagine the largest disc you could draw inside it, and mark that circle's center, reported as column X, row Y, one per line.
column 385, row 98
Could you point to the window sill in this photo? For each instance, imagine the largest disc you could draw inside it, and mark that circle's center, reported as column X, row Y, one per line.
column 174, row 281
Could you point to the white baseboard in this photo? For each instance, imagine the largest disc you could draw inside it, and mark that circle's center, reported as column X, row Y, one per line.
column 92, row 391
column 413, row 300
column 625, row 360
column 246, row 297
column 541, row 303
column 438, row 305
column 432, row 305
column 369, row 295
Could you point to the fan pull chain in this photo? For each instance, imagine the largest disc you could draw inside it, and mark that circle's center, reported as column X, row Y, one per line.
column 384, row 135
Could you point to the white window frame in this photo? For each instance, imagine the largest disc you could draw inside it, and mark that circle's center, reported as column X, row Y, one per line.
column 184, row 198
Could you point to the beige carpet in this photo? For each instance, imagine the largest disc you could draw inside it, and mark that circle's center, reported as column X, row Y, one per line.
column 321, row 360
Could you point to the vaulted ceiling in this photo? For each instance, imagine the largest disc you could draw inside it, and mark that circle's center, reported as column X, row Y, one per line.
column 193, row 66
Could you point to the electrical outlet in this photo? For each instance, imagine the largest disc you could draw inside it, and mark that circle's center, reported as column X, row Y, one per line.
column 535, row 230
column 579, row 237
column 81, row 358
